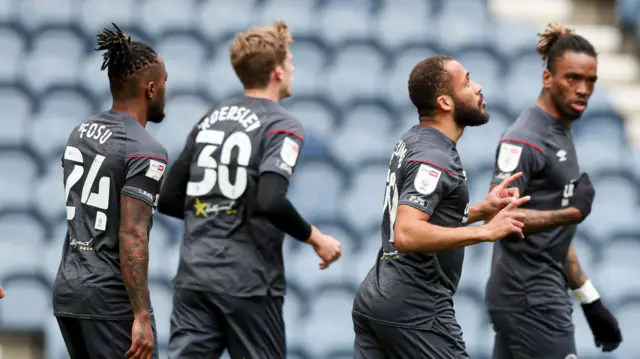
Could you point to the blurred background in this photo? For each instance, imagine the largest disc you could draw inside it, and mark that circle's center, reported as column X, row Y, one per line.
column 353, row 59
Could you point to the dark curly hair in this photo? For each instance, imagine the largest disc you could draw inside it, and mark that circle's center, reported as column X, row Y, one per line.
column 428, row 80
column 555, row 40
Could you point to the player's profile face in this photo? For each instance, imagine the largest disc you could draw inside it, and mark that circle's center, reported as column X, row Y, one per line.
column 287, row 76
column 573, row 82
column 468, row 99
column 155, row 112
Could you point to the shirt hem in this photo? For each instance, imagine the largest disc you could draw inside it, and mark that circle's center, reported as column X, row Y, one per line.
column 391, row 324
column 266, row 293
column 91, row 317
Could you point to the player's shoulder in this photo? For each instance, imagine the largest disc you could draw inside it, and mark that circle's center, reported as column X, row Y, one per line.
column 141, row 143
column 531, row 129
column 428, row 147
column 278, row 119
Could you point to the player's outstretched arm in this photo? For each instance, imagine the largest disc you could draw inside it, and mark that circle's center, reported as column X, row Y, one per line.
column 413, row 232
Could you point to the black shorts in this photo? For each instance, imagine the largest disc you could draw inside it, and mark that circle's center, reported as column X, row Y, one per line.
column 204, row 324
column 379, row 341
column 99, row 339
column 534, row 334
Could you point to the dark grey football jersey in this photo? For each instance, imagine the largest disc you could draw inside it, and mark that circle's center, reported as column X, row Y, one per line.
column 107, row 155
column 411, row 289
column 227, row 247
column 530, row 271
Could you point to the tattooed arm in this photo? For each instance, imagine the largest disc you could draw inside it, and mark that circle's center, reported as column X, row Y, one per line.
column 575, row 275
column 134, row 252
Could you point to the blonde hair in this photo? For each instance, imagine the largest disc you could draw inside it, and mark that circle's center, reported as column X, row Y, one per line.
column 256, row 53
column 549, row 37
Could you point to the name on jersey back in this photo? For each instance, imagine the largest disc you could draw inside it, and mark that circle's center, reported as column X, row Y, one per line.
column 95, row 131
column 242, row 115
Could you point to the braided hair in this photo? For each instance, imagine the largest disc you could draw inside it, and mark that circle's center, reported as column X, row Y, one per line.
column 123, row 59
column 556, row 40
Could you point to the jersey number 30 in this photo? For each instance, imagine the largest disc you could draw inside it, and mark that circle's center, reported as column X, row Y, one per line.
column 100, row 199
column 219, row 173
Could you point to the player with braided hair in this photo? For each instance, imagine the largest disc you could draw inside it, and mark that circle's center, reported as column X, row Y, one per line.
column 112, row 174
column 527, row 290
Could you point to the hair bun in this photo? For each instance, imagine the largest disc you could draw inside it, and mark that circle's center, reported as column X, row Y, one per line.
column 117, row 44
column 549, row 36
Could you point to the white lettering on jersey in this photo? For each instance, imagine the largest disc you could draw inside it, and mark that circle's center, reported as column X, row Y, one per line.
column 242, row 115
column 562, row 155
column 95, row 131
column 289, row 151
column 426, row 179
column 509, row 157
column 465, row 217
column 155, row 170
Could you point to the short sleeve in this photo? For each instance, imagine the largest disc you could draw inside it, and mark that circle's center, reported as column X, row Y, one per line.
column 145, row 166
column 424, row 185
column 282, row 146
column 517, row 156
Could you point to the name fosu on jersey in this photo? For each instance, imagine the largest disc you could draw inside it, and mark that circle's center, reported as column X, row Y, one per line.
column 242, row 115
column 95, row 131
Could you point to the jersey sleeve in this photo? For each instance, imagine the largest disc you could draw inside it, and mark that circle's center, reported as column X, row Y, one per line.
column 145, row 166
column 282, row 145
column 424, row 185
column 514, row 156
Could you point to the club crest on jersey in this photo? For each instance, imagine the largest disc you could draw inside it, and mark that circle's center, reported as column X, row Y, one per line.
column 509, row 157
column 427, row 179
column 289, row 151
column 156, row 170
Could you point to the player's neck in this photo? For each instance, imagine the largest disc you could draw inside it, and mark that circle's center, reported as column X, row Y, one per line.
column 128, row 108
column 265, row 93
column 448, row 127
column 546, row 105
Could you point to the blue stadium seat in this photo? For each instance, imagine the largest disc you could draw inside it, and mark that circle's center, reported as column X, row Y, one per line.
column 215, row 18
column 161, row 240
column 595, row 129
column 318, row 116
column 367, row 255
column 620, row 258
column 218, row 75
column 628, row 315
column 90, row 76
column 310, row 59
column 19, row 171
column 61, row 109
column 402, row 22
column 473, row 26
column 351, row 73
column 17, row 109
column 22, row 242
column 27, row 304
column 298, row 14
column 49, row 192
column 296, row 307
column 34, row 13
column 514, row 38
column 615, row 203
column 486, row 68
column 476, row 268
column 477, row 146
column 403, row 63
column 472, row 318
column 362, row 201
column 329, row 325
column 317, row 188
column 627, row 11
column 54, row 347
column 524, row 82
column 9, row 9
column 162, row 303
column 599, row 102
column 589, row 250
column 339, row 21
column 183, row 111
column 161, row 15
column 297, row 352
column 13, row 42
column 365, row 133
column 96, row 15
column 184, row 54
column 479, row 180
column 55, row 57
column 342, row 353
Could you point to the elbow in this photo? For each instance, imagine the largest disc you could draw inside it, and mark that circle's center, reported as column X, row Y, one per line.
column 402, row 239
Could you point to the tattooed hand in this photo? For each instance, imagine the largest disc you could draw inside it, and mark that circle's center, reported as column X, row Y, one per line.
column 141, row 338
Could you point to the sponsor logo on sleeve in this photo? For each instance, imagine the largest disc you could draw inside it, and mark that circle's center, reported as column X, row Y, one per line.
column 289, row 151
column 427, row 179
column 155, row 170
column 509, row 157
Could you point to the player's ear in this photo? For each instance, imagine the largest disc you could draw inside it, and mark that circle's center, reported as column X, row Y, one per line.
column 278, row 72
column 150, row 90
column 445, row 103
column 547, row 79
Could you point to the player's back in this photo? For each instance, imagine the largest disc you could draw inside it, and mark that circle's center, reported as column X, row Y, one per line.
column 227, row 247
column 530, row 271
column 101, row 154
column 411, row 289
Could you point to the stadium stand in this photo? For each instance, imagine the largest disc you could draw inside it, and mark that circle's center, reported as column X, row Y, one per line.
column 352, row 65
